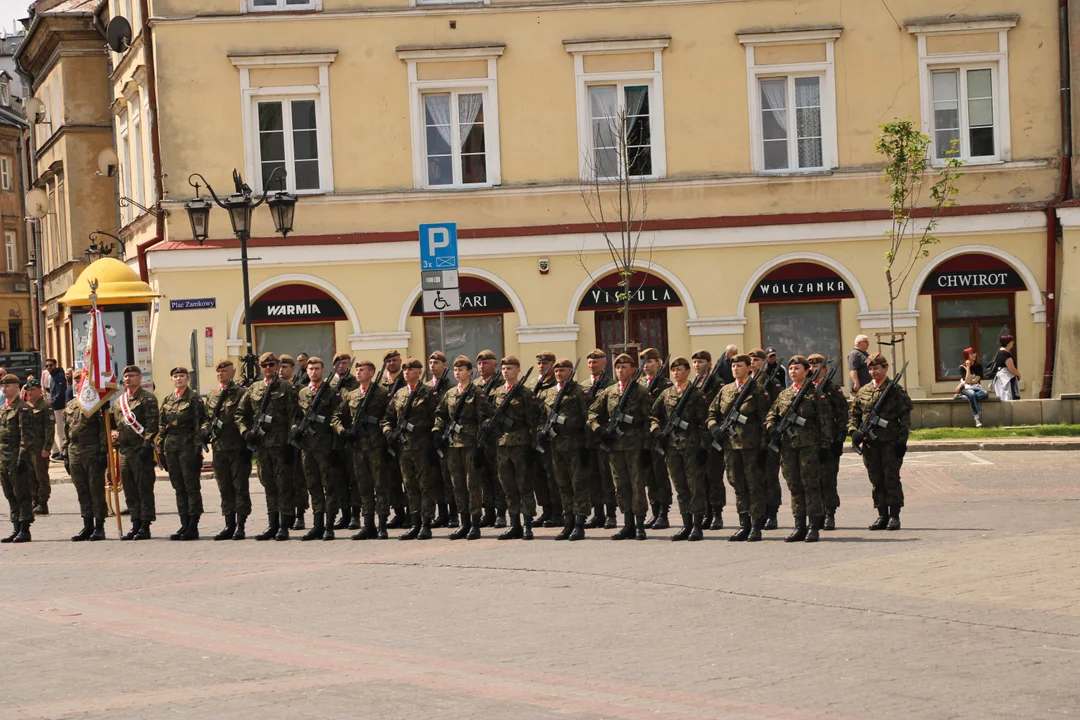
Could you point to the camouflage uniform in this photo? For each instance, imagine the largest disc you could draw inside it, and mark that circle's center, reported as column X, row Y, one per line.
column 443, row 481
column 565, row 450
column 324, row 482
column 834, row 398
column 16, row 471
column 512, row 443
column 654, row 470
column 715, row 490
column 43, row 436
column 272, row 447
column 601, row 486
column 800, row 454
column 366, row 447
column 137, row 455
column 415, row 450
column 541, row 473
column 494, row 497
column 85, row 446
column 232, row 461
column 684, row 450
column 884, row 455
column 744, row 447
column 461, row 451
column 180, row 421
column 394, row 482
column 774, row 496
column 296, row 486
column 625, row 458
column 348, row 492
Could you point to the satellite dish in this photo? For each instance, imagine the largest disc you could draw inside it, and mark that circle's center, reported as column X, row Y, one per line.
column 118, row 34
column 35, row 110
column 107, row 162
column 37, row 203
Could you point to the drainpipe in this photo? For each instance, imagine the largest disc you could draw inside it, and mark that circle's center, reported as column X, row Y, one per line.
column 155, row 140
column 1064, row 190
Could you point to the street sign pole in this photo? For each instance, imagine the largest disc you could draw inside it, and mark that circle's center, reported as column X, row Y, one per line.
column 442, row 329
column 438, row 272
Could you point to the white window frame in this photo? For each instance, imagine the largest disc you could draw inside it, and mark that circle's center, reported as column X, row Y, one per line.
column 5, row 173
column 488, row 86
column 248, row 6
column 825, row 71
column 5, row 95
column 455, row 139
column 123, row 141
column 252, row 96
column 9, row 251
column 998, row 62
column 653, row 79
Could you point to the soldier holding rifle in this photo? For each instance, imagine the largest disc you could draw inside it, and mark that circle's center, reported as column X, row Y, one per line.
column 407, row 427
column 563, row 413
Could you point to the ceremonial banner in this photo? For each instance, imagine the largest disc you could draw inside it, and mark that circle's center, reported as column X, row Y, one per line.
column 99, row 383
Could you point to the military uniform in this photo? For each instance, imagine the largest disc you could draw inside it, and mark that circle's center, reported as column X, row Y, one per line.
column 601, row 486
column 565, row 452
column 180, row 423
column 296, row 478
column 654, row 468
column 135, row 418
column 715, row 490
column 414, row 452
column 43, row 436
column 883, row 455
column 513, row 440
column 683, row 453
column 541, row 473
column 394, row 482
column 774, row 496
column 744, row 450
column 266, row 413
column 232, row 460
column 348, row 492
column 316, row 450
column 466, row 409
column 85, row 446
column 834, row 398
column 366, row 448
column 16, row 472
column 494, row 497
column 625, row 456
column 442, row 481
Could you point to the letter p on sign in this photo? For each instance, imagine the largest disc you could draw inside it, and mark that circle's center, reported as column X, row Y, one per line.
column 438, row 246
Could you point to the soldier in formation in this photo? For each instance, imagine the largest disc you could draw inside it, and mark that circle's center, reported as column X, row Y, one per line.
column 232, row 460
column 135, row 423
column 563, row 411
column 180, row 425
column 462, row 410
column 487, row 378
column 84, row 451
column 407, row 425
column 43, row 431
column 16, row 470
column 601, row 486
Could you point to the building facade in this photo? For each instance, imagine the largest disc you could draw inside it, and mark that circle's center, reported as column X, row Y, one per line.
column 766, row 206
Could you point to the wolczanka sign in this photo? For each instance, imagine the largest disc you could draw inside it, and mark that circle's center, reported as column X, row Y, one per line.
column 801, row 281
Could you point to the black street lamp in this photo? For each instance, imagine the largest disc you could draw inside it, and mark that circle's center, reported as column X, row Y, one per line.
column 240, row 206
column 97, row 250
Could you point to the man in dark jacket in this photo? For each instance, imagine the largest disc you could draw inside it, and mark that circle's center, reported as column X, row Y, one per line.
column 58, row 398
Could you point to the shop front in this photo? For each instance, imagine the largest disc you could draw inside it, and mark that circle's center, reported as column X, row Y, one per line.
column 296, row 318
column 650, row 298
column 479, row 325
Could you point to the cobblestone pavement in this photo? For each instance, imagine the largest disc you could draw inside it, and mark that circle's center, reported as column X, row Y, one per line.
column 971, row 611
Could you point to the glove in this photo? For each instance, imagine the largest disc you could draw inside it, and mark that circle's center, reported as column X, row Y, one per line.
column 901, row 449
column 823, row 454
column 702, row 457
column 657, row 433
column 838, row 449
column 607, row 437
column 762, row 457
column 146, row 454
column 715, row 432
column 249, row 436
column 204, row 437
column 294, row 434
column 856, row 438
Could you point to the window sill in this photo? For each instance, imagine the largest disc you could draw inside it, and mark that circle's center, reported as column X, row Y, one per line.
column 457, row 188
column 938, row 163
column 795, row 173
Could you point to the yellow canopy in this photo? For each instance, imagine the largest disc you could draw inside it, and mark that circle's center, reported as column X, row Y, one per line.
column 117, row 285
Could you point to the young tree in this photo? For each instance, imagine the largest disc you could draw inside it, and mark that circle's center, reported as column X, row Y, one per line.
column 905, row 150
column 615, row 192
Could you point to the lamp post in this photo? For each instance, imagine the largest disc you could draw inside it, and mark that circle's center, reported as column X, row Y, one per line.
column 240, row 206
column 97, row 250
column 31, row 275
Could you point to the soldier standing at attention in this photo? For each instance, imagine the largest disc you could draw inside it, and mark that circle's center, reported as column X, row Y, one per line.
column 715, row 491
column 446, row 506
column 84, row 444
column 366, row 447
column 567, row 447
column 803, row 454
column 465, row 408
column 601, row 486
column 654, row 471
column 513, row 439
column 772, row 386
column 883, row 455
column 264, row 421
column 316, row 443
column 684, row 452
column 295, row 471
column 392, row 380
column 232, row 461
column 627, row 447
column 180, row 423
column 541, row 474
column 342, row 381
column 744, row 448
column 494, row 498
column 410, row 416
column 43, row 434
column 834, row 398
column 135, row 415
column 16, row 473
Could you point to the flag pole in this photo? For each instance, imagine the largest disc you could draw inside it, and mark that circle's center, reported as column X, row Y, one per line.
column 112, row 461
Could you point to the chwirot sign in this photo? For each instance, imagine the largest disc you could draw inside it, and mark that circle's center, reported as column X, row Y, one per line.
column 646, row 291
column 801, row 281
column 972, row 274
column 478, row 297
column 296, row 303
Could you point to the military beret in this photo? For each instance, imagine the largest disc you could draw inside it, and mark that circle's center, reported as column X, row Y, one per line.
column 741, row 359
column 564, row 363
column 341, row 356
column 680, row 362
column 412, row 364
column 816, row 358
column 798, row 360
column 596, row 354
column 757, row 353
column 770, row 351
column 511, row 360
column 286, row 360
column 389, row 354
column 9, row 379
column 132, row 369
column 224, row 364
column 648, row 354
column 364, row 362
column 437, row 355
column 624, row 359
column 32, row 384
column 485, row 355
column 546, row 355
column 268, row 357
column 702, row 355
column 462, row 361
column 877, row 359
column 178, row 370
column 313, row 360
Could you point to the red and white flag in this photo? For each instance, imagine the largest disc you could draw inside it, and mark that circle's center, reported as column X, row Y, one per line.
column 98, row 383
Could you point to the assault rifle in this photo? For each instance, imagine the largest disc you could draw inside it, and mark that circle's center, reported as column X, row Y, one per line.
column 703, row 381
column 215, row 421
column 541, row 386
column 674, row 421
column 361, row 416
column 591, row 391
column 734, row 416
column 489, row 386
column 548, row 431
column 258, row 431
column 791, row 418
column 655, row 382
column 873, row 419
column 304, row 428
column 612, row 429
column 498, row 422
column 159, row 449
column 393, row 438
column 454, row 425
column 771, row 377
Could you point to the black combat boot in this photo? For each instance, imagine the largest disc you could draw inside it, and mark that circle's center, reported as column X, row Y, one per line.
column 830, row 520
column 598, row 518
column 23, row 536
column 799, row 534
column 191, row 532
column 894, row 518
column 568, row 527
column 527, row 529
column 545, row 513
column 639, row 527
column 578, row 532
column 488, row 519
column 143, row 532
column 298, row 523
column 882, row 521
column 611, row 522
column 271, row 528
column 770, row 517
column 452, row 515
column 411, row 535
column 354, row 519
column 229, row 529
column 557, row 517
column 514, row 532
column 132, row 531
column 654, row 508
column 398, row 520
column 440, row 516
column 87, row 530
column 342, row 523
column 287, row 521
column 14, row 532
column 425, row 529
column 743, row 533
column 382, row 534
column 627, row 532
column 816, row 521
column 695, row 528
column 687, row 526
column 463, row 530
column 368, row 532
column 717, row 518
column 756, row 525
column 500, row 517
column 241, row 528
column 40, row 508
column 99, row 530
column 474, row 527
column 179, row 534
column 708, row 517
column 662, row 522
column 318, row 527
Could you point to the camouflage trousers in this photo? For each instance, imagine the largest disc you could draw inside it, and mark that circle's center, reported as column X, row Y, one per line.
column 17, row 490
column 489, row 480
column 323, row 481
column 395, row 484
column 468, row 490
column 883, row 467
column 514, row 478
column 185, row 466
column 657, row 482
column 802, row 470
column 569, row 470
column 774, row 496
column 542, row 478
column 829, row 475
column 715, row 490
column 688, row 477
column 88, row 477
column 370, row 472
column 747, row 478
column 137, row 477
column 274, row 474
column 232, row 470
column 601, row 486
column 419, row 474
column 629, row 476
column 41, row 487
column 298, row 486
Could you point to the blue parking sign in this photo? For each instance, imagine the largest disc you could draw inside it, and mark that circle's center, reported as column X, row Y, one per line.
column 438, row 246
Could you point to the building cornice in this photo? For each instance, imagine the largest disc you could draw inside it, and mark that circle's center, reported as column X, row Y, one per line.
column 957, row 24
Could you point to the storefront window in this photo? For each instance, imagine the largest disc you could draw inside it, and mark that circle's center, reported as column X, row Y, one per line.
column 802, row 329
column 465, row 336
column 975, row 322
column 316, row 340
column 647, row 328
